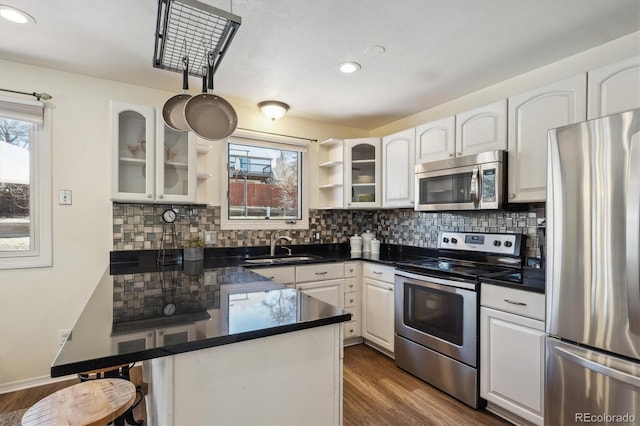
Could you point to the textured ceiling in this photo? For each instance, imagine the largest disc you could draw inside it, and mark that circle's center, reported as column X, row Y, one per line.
column 435, row 50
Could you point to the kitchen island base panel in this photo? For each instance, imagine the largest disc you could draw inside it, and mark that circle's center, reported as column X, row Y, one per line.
column 292, row 378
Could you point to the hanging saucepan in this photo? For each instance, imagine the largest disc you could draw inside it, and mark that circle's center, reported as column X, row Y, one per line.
column 173, row 110
column 209, row 116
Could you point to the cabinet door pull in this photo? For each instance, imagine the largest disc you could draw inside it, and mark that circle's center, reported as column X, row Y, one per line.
column 321, row 273
column 515, row 303
column 377, row 272
column 390, row 289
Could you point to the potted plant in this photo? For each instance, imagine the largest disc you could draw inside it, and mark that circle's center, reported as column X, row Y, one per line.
column 193, row 248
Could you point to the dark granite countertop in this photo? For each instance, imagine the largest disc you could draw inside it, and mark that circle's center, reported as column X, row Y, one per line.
column 529, row 279
column 170, row 310
column 142, row 310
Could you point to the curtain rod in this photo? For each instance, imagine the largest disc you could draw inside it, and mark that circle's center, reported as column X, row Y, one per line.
column 43, row 96
column 278, row 134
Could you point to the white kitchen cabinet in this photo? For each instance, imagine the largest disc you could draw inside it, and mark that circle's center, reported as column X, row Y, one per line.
column 329, row 291
column 398, row 175
column 353, row 301
column 435, row 140
column 531, row 115
column 362, row 173
column 331, row 174
column 614, row 88
column 482, row 129
column 512, row 353
column 151, row 162
column 133, row 138
column 378, row 306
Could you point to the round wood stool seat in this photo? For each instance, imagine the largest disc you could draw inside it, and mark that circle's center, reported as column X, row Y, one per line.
column 96, row 402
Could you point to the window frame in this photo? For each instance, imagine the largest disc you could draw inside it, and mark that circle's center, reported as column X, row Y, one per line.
column 41, row 254
column 266, row 141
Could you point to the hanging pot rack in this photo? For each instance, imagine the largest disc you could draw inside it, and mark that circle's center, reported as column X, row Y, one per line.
column 189, row 28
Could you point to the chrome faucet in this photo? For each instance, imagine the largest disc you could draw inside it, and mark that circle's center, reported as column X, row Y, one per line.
column 274, row 240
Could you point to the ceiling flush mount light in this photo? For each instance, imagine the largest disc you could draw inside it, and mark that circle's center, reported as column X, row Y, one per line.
column 349, row 67
column 15, row 15
column 273, row 109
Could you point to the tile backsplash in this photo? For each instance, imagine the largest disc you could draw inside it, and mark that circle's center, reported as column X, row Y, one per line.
column 139, row 226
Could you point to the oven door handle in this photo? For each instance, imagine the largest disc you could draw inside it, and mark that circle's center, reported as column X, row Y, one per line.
column 473, row 192
column 433, row 282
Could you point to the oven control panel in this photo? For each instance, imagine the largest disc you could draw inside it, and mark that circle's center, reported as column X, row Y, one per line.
column 483, row 242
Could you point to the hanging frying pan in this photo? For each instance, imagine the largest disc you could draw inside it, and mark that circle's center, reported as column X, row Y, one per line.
column 173, row 110
column 209, row 116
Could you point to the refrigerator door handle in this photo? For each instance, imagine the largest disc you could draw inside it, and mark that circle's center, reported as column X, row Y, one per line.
column 618, row 375
column 633, row 234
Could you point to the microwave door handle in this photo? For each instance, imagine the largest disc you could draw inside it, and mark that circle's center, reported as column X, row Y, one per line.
column 473, row 192
column 633, row 235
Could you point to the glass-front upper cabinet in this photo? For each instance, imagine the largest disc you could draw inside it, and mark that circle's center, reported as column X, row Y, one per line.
column 175, row 165
column 362, row 184
column 151, row 162
column 133, row 140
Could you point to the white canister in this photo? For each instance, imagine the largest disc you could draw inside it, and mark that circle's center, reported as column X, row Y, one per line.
column 356, row 244
column 375, row 246
column 367, row 236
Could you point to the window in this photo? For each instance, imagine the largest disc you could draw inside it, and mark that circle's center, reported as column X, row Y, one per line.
column 265, row 181
column 25, row 189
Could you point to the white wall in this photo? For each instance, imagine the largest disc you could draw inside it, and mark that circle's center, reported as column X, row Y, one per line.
column 621, row 48
column 36, row 303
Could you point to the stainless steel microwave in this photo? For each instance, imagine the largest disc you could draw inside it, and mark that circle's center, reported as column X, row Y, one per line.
column 471, row 182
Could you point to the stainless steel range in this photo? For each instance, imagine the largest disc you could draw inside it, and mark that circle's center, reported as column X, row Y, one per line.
column 436, row 309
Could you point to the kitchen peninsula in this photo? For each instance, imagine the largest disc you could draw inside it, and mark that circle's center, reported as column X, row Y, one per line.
column 214, row 340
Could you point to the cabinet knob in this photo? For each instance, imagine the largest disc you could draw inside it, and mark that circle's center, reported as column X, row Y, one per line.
column 512, row 196
column 351, row 330
column 450, row 155
column 148, row 195
column 390, row 289
column 351, row 300
column 160, row 196
column 458, row 153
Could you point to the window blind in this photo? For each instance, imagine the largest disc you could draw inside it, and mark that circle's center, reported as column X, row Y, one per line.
column 21, row 109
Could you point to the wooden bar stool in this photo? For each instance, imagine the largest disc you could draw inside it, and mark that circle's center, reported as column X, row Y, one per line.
column 96, row 402
column 117, row 372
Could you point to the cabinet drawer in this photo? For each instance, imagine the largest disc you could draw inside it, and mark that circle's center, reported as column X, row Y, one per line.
column 512, row 300
column 378, row 272
column 351, row 329
column 351, row 269
column 350, row 299
column 280, row 274
column 350, row 284
column 316, row 272
column 355, row 314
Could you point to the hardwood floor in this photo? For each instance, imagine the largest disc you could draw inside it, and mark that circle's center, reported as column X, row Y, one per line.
column 376, row 392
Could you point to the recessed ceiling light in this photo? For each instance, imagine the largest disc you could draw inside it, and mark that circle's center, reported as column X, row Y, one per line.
column 16, row 15
column 349, row 67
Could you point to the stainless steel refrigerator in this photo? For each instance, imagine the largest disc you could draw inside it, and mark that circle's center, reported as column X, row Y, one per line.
column 593, row 272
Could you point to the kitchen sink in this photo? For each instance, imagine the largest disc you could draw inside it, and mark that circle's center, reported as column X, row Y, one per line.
column 282, row 259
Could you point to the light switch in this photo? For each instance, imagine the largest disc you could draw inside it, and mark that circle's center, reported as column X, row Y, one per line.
column 64, row 197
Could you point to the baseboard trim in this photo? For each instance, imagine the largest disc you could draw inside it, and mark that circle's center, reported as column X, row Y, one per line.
column 32, row 383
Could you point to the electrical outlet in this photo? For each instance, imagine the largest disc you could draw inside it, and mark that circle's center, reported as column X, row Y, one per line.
column 210, row 237
column 64, row 335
